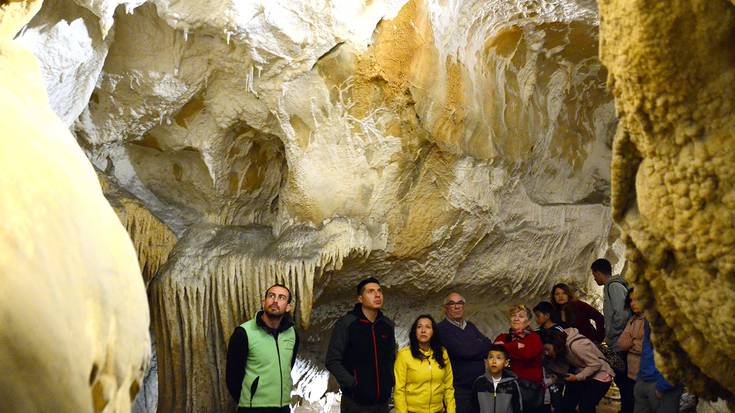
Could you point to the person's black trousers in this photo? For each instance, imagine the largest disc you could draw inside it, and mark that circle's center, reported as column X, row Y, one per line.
column 625, row 385
column 350, row 406
column 464, row 400
column 586, row 394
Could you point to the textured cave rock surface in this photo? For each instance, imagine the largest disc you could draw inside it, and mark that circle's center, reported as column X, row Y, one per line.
column 74, row 334
column 673, row 186
column 436, row 145
column 152, row 239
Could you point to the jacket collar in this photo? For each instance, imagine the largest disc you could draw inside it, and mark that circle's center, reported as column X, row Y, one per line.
column 285, row 324
column 521, row 335
column 507, row 375
column 357, row 311
column 428, row 353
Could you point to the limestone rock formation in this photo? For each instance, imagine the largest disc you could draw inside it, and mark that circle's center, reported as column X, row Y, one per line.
column 671, row 71
column 152, row 239
column 433, row 144
column 74, row 335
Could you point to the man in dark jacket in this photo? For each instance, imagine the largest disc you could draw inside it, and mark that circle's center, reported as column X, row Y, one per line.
column 362, row 351
column 467, row 348
column 260, row 356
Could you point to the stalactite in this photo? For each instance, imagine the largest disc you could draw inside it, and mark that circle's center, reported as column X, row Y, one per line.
column 214, row 281
column 152, row 239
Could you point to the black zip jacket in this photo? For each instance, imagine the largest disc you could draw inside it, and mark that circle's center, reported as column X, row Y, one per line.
column 361, row 356
column 506, row 398
column 237, row 353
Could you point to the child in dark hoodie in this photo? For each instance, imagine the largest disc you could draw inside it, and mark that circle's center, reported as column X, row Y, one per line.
column 497, row 391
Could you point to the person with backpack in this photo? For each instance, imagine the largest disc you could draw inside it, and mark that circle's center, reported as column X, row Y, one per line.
column 526, row 357
column 614, row 293
column 590, row 375
column 497, row 391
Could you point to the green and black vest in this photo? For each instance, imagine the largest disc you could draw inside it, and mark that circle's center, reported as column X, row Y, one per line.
column 267, row 381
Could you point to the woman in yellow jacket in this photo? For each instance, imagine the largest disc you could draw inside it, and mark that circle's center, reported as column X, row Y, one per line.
column 423, row 372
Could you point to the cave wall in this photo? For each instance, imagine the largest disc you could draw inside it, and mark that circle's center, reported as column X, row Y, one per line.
column 436, row 145
column 671, row 71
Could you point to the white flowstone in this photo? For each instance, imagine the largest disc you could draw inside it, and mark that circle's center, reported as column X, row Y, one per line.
column 71, row 51
column 74, row 309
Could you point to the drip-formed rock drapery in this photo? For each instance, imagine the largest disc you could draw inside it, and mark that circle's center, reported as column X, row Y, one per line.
column 672, row 71
column 152, row 239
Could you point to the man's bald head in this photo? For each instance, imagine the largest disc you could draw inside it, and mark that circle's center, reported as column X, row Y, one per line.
column 454, row 307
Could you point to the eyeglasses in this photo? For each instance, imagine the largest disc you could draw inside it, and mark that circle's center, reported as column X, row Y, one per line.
column 450, row 303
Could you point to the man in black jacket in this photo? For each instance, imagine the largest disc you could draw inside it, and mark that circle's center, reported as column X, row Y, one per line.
column 362, row 351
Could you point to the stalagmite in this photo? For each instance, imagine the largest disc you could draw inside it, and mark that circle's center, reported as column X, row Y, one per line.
column 74, row 334
column 672, row 71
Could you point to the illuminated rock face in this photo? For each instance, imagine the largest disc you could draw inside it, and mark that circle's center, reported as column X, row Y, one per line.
column 74, row 334
column 433, row 144
column 673, row 177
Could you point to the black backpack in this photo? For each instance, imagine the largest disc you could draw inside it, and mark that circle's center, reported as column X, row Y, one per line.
column 532, row 395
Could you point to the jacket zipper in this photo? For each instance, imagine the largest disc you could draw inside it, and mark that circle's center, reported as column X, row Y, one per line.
column 280, row 369
column 431, row 391
column 375, row 352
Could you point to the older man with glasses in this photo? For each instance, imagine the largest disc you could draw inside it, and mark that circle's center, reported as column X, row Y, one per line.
column 467, row 348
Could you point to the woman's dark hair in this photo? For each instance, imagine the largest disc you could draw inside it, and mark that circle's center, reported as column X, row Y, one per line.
column 569, row 315
column 437, row 348
column 628, row 299
column 558, row 339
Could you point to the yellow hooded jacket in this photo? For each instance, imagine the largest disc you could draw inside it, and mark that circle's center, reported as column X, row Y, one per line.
column 421, row 386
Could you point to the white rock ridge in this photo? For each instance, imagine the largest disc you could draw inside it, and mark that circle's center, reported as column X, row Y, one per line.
column 75, row 315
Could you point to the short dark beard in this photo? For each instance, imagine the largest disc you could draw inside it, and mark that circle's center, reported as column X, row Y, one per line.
column 272, row 320
column 273, row 317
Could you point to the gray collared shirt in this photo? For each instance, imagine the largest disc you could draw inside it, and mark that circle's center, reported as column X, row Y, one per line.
column 461, row 325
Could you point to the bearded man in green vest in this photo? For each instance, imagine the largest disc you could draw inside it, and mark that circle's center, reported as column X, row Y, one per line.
column 260, row 356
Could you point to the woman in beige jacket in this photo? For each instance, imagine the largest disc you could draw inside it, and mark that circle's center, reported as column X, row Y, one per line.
column 590, row 376
column 631, row 340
